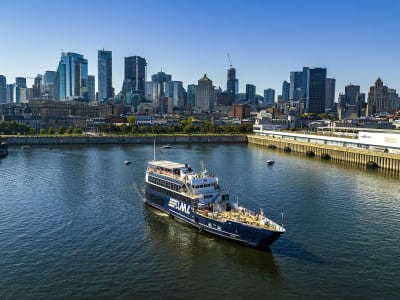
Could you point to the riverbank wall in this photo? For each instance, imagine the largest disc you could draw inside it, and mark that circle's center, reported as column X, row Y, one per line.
column 139, row 139
column 373, row 159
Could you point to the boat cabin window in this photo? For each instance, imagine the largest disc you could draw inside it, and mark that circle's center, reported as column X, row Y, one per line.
column 225, row 197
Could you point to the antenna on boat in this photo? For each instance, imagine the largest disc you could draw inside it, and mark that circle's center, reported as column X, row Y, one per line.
column 203, row 169
column 282, row 219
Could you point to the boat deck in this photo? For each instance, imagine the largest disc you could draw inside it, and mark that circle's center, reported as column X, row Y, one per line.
column 244, row 218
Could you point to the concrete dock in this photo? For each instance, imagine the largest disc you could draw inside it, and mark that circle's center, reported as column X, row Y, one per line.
column 389, row 161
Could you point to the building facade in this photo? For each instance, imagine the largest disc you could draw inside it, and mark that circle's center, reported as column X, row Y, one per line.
column 232, row 84
column 135, row 76
column 72, row 77
column 285, row 91
column 104, row 75
column 251, row 94
column 296, row 80
column 381, row 99
column 49, row 82
column 204, row 94
column 191, row 96
column 330, row 94
column 313, row 90
column 3, row 89
column 269, row 97
column 91, row 88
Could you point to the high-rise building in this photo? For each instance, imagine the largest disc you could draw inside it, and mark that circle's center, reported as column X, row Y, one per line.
column 269, row 96
column 296, row 80
column 175, row 90
column 232, row 84
column 160, row 81
column 20, row 90
column 313, row 90
column 159, row 88
column 351, row 94
column 330, row 94
column 204, row 94
column 91, row 88
column 381, row 99
column 72, row 77
column 250, row 94
column 37, row 87
column 191, row 95
column 10, row 93
column 49, row 81
column 135, row 76
column 104, row 75
column 285, row 91
column 3, row 89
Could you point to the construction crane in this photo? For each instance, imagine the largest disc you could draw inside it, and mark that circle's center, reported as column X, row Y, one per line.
column 229, row 58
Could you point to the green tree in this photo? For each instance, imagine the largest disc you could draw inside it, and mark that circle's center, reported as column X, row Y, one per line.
column 42, row 131
column 32, row 131
column 60, row 130
column 77, row 131
column 69, row 130
column 51, row 130
column 132, row 120
column 134, row 129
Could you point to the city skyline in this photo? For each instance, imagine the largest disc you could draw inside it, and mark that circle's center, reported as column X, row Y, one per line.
column 354, row 40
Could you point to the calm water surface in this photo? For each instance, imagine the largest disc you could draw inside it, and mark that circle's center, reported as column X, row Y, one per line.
column 73, row 225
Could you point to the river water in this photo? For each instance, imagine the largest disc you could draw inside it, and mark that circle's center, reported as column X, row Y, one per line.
column 73, row 225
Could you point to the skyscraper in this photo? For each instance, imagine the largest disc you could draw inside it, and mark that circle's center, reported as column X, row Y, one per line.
column 296, row 80
column 285, row 91
column 91, row 88
column 175, row 90
column 49, row 81
column 350, row 103
column 104, row 75
column 191, row 95
column 232, row 84
column 204, row 94
column 330, row 94
column 160, row 81
column 72, row 77
column 135, row 76
column 381, row 99
column 3, row 89
column 313, row 90
column 10, row 92
column 37, row 87
column 269, row 96
column 250, row 94
column 20, row 90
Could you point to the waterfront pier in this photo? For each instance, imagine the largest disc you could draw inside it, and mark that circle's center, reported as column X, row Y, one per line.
column 318, row 148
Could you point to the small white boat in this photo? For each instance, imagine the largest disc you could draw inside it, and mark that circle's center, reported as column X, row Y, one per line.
column 127, row 162
column 270, row 162
column 26, row 147
column 168, row 146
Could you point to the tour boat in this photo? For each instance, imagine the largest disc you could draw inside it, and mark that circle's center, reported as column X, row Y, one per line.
column 197, row 199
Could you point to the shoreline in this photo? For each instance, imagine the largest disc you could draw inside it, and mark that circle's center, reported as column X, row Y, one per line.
column 129, row 139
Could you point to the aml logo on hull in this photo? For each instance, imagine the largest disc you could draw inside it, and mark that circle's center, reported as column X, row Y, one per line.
column 181, row 206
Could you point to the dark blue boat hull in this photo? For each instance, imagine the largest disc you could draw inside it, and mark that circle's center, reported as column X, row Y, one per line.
column 235, row 231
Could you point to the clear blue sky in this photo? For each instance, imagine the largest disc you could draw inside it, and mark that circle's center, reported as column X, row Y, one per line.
column 356, row 40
